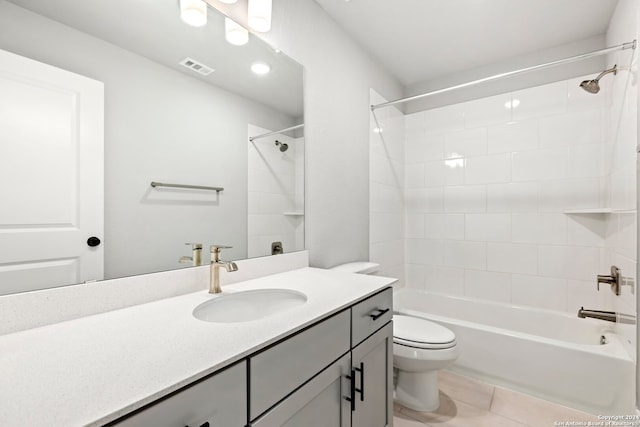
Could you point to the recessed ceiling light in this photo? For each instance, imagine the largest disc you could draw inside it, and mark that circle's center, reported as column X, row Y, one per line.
column 193, row 12
column 260, row 68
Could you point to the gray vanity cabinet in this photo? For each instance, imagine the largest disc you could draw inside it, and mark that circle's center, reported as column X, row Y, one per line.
column 216, row 401
column 335, row 373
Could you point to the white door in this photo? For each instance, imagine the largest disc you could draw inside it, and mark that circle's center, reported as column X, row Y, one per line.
column 51, row 175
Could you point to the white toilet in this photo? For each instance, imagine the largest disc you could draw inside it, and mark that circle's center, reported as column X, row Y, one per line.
column 420, row 349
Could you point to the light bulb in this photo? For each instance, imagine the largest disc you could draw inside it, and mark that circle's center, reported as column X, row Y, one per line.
column 259, row 12
column 235, row 33
column 193, row 12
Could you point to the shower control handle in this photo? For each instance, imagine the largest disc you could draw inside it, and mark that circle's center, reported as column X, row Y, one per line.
column 613, row 280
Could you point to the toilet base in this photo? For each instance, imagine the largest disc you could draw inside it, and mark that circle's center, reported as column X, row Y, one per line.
column 418, row 390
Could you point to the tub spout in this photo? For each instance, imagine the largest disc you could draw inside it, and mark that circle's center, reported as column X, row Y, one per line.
column 610, row 316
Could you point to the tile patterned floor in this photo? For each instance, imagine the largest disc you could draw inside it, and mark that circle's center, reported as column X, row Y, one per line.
column 466, row 402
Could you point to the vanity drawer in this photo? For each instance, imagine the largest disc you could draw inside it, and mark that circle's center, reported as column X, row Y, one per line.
column 220, row 400
column 281, row 369
column 370, row 315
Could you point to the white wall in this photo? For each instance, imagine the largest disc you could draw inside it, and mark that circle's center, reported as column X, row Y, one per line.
column 160, row 125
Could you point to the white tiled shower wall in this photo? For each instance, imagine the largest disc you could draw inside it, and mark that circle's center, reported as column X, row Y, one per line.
column 487, row 189
column 276, row 193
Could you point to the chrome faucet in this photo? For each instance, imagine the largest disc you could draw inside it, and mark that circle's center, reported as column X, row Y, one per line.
column 196, row 256
column 609, row 316
column 216, row 263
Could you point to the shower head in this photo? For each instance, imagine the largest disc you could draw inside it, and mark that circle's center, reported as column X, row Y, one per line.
column 593, row 86
column 283, row 146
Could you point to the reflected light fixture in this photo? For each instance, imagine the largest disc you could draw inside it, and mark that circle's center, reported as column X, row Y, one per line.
column 193, row 12
column 260, row 68
column 259, row 15
column 512, row 104
column 235, row 33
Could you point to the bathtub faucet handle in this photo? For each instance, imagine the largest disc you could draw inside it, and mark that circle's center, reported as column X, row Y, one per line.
column 613, row 280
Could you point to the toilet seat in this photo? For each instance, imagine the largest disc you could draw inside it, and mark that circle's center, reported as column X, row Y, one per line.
column 421, row 333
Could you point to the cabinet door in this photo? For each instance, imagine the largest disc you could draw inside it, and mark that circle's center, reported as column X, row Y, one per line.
column 218, row 401
column 319, row 403
column 372, row 362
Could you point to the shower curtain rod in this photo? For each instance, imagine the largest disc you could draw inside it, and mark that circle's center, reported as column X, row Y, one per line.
column 624, row 46
column 251, row 138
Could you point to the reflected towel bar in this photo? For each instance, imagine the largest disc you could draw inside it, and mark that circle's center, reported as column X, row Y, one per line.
column 194, row 187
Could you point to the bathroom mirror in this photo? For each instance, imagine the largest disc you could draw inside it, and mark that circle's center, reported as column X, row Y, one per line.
column 164, row 121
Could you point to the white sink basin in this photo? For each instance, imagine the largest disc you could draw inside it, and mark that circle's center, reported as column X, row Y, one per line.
column 248, row 305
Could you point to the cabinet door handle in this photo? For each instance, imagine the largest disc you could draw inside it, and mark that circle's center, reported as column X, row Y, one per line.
column 352, row 390
column 361, row 389
column 380, row 313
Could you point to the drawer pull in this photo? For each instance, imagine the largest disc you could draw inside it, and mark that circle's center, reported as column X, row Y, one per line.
column 380, row 313
column 352, row 390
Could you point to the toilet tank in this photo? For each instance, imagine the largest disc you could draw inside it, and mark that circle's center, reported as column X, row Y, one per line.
column 361, row 267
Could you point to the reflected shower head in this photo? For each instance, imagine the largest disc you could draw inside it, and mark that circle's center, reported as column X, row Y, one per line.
column 593, row 86
column 590, row 86
column 283, row 146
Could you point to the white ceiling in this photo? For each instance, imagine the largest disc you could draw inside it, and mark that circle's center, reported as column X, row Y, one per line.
column 420, row 40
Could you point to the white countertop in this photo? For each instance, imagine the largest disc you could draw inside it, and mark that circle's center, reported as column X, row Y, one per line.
column 93, row 370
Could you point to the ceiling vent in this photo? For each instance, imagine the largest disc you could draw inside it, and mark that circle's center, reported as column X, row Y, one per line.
column 196, row 66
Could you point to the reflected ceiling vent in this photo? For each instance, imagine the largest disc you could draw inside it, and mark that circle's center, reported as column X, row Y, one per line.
column 196, row 66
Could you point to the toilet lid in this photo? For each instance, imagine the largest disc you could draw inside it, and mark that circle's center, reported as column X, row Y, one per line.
column 421, row 333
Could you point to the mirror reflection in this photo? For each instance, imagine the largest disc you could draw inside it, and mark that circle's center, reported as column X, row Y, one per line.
column 102, row 99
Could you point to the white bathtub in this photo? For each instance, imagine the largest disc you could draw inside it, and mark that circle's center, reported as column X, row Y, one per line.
column 544, row 353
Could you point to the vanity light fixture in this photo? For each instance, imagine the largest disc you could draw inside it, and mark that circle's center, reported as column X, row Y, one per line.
column 235, row 33
column 193, row 12
column 260, row 68
column 259, row 15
